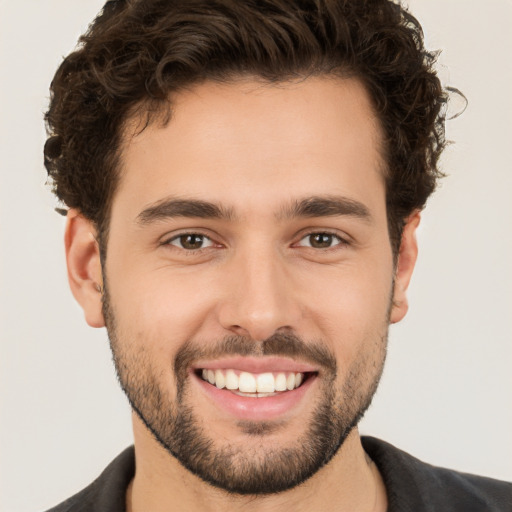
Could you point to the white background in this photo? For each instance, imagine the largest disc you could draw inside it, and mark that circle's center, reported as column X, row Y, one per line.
column 446, row 394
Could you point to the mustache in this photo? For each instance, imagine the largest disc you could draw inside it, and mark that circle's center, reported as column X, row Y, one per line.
column 279, row 344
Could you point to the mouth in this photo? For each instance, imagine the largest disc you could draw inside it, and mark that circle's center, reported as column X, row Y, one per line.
column 253, row 390
column 260, row 385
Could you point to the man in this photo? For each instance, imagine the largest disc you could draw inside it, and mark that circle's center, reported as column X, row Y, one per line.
column 244, row 182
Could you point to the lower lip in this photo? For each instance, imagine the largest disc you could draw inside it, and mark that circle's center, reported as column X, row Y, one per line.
column 255, row 409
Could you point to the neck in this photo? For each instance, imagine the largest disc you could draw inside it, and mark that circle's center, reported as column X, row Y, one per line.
column 349, row 482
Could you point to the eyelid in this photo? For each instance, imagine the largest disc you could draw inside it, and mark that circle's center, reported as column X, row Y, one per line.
column 206, row 242
column 170, row 237
column 343, row 238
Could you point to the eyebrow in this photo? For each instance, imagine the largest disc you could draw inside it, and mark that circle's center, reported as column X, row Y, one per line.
column 309, row 207
column 170, row 208
column 326, row 206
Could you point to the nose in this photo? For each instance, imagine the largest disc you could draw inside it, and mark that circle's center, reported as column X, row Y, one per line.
column 259, row 296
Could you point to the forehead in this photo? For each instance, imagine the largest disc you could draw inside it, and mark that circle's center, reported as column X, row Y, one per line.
column 249, row 143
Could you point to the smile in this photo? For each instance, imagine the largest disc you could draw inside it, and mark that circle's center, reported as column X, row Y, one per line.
column 253, row 385
column 256, row 388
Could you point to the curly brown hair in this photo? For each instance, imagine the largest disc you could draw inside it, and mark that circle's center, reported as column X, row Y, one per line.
column 137, row 53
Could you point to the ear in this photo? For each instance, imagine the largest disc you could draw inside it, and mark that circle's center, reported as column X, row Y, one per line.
column 407, row 256
column 84, row 267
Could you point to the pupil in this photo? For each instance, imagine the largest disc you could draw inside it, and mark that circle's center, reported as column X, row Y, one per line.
column 321, row 240
column 192, row 241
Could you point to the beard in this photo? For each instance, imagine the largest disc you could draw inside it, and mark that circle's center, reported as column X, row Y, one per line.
column 253, row 468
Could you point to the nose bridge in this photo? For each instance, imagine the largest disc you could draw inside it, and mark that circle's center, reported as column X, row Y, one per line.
column 259, row 300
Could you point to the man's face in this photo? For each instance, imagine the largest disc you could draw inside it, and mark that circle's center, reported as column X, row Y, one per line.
column 248, row 246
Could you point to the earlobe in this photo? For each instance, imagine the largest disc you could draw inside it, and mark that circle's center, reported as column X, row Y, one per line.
column 406, row 261
column 84, row 267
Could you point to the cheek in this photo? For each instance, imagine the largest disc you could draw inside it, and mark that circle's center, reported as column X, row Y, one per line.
column 154, row 317
column 351, row 309
column 162, row 307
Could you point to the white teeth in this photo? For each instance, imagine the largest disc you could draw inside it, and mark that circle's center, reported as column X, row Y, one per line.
column 265, row 383
column 220, row 381
column 290, row 382
column 231, row 380
column 280, row 382
column 248, row 384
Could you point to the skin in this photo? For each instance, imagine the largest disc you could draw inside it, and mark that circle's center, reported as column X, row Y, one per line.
column 254, row 149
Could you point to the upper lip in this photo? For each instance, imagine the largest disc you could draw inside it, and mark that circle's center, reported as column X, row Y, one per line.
column 256, row 364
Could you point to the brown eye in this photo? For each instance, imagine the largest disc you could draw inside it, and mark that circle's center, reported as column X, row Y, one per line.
column 191, row 241
column 320, row 240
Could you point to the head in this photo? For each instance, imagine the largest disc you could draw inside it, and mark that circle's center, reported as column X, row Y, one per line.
column 244, row 180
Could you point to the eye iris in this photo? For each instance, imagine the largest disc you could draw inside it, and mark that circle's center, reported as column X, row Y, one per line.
column 320, row 240
column 191, row 241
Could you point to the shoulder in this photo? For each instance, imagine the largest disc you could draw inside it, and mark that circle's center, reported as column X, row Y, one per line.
column 414, row 485
column 108, row 491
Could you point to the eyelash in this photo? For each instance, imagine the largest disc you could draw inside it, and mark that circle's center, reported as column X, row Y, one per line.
column 341, row 241
column 191, row 233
